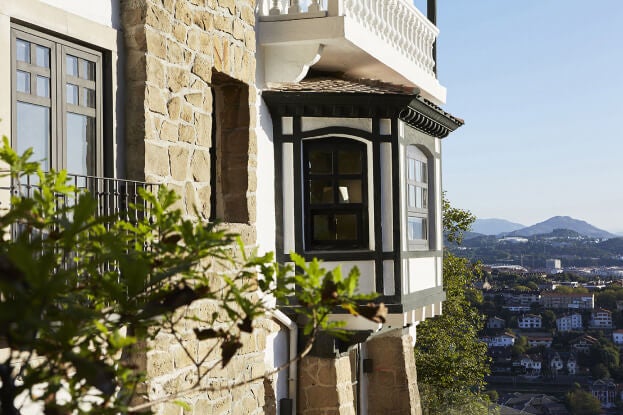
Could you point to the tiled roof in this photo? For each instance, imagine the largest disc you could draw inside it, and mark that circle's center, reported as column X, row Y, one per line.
column 343, row 86
column 339, row 85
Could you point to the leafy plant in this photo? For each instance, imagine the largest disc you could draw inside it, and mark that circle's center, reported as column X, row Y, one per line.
column 80, row 292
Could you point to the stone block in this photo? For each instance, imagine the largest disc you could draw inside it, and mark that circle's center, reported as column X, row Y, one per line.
column 156, row 160
column 205, row 20
column 188, row 134
column 180, row 32
column 179, row 159
column 155, row 44
column 159, row 363
column 175, row 52
column 158, row 19
column 229, row 4
column 187, row 113
column 174, row 107
column 155, row 101
column 177, row 78
column 183, row 13
column 203, row 124
column 169, row 131
column 238, row 31
column 202, row 67
column 154, row 71
column 200, row 166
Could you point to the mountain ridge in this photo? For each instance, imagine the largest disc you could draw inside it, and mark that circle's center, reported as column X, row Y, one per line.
column 562, row 222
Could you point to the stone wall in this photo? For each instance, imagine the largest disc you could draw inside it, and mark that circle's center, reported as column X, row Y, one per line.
column 325, row 386
column 392, row 385
column 190, row 88
column 174, row 48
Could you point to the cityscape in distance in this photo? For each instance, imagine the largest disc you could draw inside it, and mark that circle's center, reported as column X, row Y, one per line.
column 551, row 296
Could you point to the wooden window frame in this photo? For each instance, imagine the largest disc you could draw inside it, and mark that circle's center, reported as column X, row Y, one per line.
column 57, row 102
column 360, row 210
column 417, row 155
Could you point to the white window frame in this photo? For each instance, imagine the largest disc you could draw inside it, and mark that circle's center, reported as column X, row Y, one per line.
column 418, row 188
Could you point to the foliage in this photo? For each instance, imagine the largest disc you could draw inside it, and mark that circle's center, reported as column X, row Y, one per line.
column 451, row 362
column 455, row 221
column 79, row 292
column 581, row 402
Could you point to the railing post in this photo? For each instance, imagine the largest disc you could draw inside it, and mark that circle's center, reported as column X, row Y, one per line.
column 275, row 9
column 295, row 8
column 431, row 13
column 313, row 7
column 335, row 7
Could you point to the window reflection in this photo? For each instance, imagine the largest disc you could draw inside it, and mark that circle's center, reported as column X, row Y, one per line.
column 33, row 131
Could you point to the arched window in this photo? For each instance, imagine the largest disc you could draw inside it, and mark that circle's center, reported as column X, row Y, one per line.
column 417, row 199
column 335, row 194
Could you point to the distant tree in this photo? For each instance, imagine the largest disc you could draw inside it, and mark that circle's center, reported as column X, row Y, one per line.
column 600, row 371
column 520, row 347
column 581, row 402
column 548, row 319
column 451, row 362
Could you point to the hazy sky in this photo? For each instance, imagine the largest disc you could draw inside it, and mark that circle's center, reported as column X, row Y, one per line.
column 540, row 86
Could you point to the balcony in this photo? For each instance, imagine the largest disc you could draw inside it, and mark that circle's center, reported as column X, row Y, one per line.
column 114, row 197
column 389, row 40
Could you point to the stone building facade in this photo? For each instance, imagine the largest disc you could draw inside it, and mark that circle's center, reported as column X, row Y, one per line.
column 215, row 99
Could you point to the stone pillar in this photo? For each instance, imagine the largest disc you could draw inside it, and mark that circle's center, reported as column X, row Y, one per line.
column 392, row 385
column 325, row 386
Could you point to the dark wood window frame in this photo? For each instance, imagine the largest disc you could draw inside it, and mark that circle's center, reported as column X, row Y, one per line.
column 56, row 101
column 335, row 207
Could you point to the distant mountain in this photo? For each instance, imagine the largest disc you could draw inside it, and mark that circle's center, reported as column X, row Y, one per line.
column 495, row 226
column 563, row 222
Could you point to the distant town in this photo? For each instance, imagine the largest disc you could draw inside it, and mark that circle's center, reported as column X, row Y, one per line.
column 553, row 305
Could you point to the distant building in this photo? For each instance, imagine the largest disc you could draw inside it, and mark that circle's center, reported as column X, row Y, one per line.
column 562, row 361
column 583, row 343
column 617, row 337
column 530, row 321
column 569, row 322
column 577, row 301
column 605, row 390
column 601, row 319
column 532, row 364
column 553, row 266
column 496, row 323
column 501, row 340
column 536, row 341
column 531, row 403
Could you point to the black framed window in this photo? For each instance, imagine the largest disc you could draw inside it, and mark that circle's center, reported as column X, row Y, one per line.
column 57, row 101
column 335, row 194
column 417, row 198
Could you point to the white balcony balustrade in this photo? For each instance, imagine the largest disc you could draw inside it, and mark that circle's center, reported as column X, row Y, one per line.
column 389, row 40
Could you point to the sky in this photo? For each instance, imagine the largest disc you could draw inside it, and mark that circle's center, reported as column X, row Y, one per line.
column 540, row 86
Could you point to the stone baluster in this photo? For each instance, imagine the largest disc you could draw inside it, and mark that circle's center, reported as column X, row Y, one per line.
column 314, row 7
column 275, row 10
column 295, row 7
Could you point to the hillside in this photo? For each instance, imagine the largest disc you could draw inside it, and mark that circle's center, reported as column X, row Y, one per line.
column 563, row 222
column 494, row 226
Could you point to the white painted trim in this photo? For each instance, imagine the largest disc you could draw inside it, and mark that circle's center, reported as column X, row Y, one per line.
column 289, row 235
column 315, row 123
column 387, row 202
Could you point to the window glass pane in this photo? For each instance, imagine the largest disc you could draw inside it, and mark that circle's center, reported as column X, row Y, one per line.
column 320, row 162
column 321, row 228
column 411, row 196
column 43, row 86
column 43, row 56
column 33, row 131
column 418, row 198
column 349, row 191
column 416, row 228
column 320, row 191
column 23, row 82
column 420, row 172
column 72, row 94
column 87, row 70
column 80, row 144
column 88, row 97
column 345, row 227
column 72, row 65
column 349, row 162
column 411, row 169
column 22, row 50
